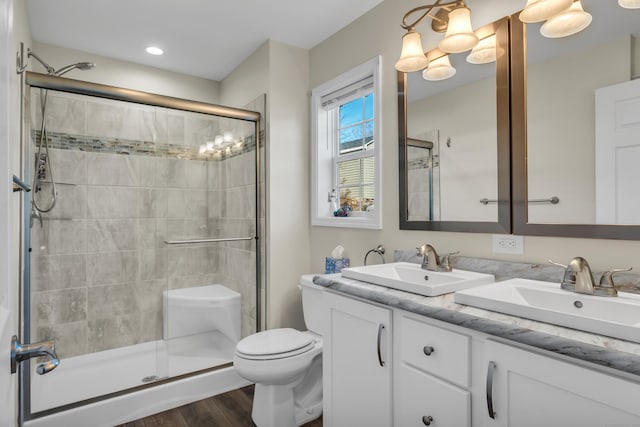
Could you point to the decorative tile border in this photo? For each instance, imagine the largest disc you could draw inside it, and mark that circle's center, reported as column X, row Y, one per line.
column 65, row 141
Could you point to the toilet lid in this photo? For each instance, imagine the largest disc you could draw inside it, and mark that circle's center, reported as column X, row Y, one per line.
column 275, row 343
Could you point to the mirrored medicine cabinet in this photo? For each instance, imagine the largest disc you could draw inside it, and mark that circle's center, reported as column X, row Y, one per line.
column 455, row 144
column 520, row 145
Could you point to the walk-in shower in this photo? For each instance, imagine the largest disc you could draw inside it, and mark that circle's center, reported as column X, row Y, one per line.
column 153, row 194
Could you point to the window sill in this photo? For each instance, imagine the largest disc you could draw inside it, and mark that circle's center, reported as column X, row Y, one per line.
column 355, row 221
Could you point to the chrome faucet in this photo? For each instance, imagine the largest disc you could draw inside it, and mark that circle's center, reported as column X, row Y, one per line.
column 431, row 260
column 21, row 352
column 579, row 278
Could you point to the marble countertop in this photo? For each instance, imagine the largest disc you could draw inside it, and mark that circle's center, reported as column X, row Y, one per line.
column 602, row 350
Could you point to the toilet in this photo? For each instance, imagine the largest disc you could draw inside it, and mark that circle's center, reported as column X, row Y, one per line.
column 203, row 309
column 286, row 366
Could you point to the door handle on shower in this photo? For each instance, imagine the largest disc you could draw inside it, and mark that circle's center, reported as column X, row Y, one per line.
column 20, row 353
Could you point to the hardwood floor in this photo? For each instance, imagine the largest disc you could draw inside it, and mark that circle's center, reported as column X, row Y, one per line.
column 232, row 409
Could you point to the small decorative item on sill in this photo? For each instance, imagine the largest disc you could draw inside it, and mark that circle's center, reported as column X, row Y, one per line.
column 343, row 211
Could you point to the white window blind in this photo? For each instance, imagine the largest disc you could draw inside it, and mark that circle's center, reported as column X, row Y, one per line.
column 347, row 93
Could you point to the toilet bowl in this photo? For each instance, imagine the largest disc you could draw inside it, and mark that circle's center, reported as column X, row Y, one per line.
column 286, row 366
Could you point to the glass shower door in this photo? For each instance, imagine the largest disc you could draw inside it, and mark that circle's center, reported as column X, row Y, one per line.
column 131, row 180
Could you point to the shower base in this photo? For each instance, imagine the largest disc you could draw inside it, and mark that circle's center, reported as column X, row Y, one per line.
column 97, row 374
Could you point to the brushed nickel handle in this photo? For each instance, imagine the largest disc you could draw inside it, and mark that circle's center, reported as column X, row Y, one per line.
column 428, row 350
column 490, row 371
column 380, row 328
column 427, row 420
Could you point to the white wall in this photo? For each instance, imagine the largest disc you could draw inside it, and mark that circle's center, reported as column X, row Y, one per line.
column 281, row 71
column 379, row 32
column 113, row 72
column 468, row 168
column 560, row 148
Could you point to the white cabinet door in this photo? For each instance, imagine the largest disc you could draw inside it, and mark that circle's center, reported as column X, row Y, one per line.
column 528, row 389
column 357, row 364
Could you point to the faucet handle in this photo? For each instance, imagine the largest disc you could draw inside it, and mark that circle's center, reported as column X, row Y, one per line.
column 558, row 264
column 606, row 280
column 446, row 262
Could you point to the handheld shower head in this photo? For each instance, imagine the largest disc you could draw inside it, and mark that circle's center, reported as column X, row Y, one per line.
column 80, row 66
column 53, row 72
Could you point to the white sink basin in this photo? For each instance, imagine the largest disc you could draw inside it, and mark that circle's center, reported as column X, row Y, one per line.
column 617, row 317
column 411, row 277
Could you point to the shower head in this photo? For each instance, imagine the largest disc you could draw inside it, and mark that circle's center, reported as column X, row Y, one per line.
column 53, row 72
column 80, row 66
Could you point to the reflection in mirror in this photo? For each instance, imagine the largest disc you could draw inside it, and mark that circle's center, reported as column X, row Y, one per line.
column 583, row 120
column 454, row 147
column 423, row 177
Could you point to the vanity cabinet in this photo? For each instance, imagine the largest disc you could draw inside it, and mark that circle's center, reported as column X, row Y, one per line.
column 528, row 389
column 357, row 364
column 426, row 372
column 431, row 375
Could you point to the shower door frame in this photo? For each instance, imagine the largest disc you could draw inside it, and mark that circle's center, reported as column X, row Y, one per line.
column 44, row 81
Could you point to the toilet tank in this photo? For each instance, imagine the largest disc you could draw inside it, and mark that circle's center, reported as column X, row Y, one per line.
column 314, row 307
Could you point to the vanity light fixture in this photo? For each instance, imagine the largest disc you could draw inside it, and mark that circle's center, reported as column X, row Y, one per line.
column 484, row 52
column 454, row 17
column 541, row 10
column 412, row 57
column 153, row 50
column 629, row 4
column 571, row 21
column 439, row 69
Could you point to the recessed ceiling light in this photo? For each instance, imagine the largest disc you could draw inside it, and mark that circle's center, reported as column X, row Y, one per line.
column 154, row 50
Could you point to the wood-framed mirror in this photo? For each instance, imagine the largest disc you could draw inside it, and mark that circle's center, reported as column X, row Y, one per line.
column 454, row 143
column 569, row 143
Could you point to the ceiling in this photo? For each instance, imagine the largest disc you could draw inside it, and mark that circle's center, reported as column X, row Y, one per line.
column 204, row 38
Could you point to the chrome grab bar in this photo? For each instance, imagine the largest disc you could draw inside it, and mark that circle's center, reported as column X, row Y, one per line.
column 20, row 353
column 380, row 328
column 206, row 240
column 490, row 370
column 554, row 200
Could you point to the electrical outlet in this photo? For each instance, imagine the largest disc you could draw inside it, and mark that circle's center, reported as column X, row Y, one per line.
column 508, row 244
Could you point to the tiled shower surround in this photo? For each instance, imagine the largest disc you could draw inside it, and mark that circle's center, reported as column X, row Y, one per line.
column 128, row 178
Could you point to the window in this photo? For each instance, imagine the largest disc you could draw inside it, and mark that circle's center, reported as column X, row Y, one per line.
column 346, row 150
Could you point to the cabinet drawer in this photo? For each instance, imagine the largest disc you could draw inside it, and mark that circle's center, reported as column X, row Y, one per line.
column 421, row 395
column 436, row 351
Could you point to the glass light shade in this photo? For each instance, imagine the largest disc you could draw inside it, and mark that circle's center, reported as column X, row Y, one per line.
column 484, row 52
column 439, row 69
column 412, row 57
column 541, row 10
column 459, row 36
column 629, row 4
column 571, row 21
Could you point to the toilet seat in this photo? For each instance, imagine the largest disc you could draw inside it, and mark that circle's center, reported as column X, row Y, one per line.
column 275, row 344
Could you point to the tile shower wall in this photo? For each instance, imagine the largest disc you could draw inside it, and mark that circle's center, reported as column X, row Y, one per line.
column 128, row 178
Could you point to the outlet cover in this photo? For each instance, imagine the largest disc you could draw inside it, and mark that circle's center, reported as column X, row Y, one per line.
column 508, row 244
